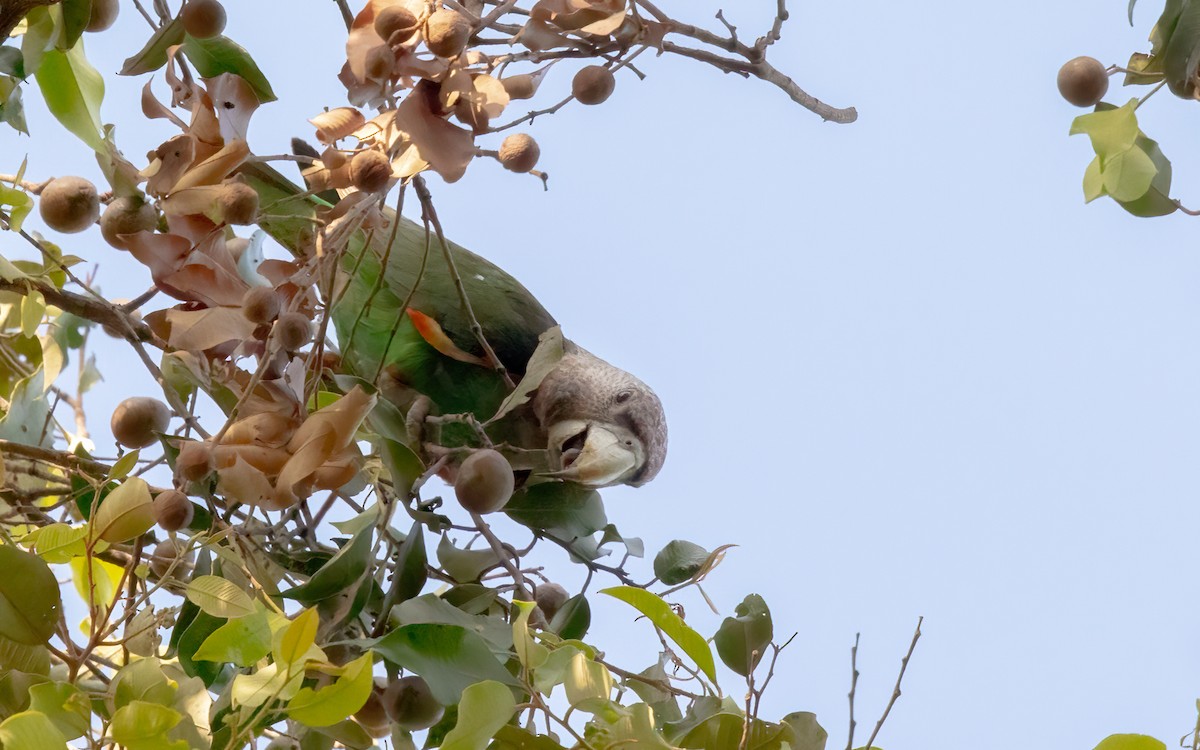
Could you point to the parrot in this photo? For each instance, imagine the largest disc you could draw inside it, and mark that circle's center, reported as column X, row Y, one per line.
column 401, row 325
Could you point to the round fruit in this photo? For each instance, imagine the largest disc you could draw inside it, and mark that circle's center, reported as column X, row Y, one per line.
column 237, row 203
column 372, row 716
column 69, row 204
column 293, row 331
column 162, row 557
column 379, row 62
column 137, row 421
column 261, row 304
column 395, row 24
column 519, row 86
column 127, row 215
column 104, row 15
column 194, row 462
column 519, row 153
column 1083, row 81
column 485, row 482
column 172, row 510
column 550, row 598
column 203, row 19
column 370, row 171
column 411, row 705
column 593, row 84
column 447, row 32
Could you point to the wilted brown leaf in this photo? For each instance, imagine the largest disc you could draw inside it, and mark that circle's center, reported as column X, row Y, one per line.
column 201, row 330
column 234, row 102
column 335, row 124
column 432, row 141
column 170, row 161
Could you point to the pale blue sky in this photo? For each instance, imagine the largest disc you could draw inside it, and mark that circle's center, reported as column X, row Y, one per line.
column 906, row 369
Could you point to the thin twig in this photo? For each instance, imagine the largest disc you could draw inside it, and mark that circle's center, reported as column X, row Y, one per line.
column 899, row 677
column 853, row 685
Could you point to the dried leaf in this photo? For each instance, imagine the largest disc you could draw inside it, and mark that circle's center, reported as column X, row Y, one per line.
column 245, row 484
column 335, row 124
column 234, row 102
column 171, row 160
column 198, row 330
column 446, row 148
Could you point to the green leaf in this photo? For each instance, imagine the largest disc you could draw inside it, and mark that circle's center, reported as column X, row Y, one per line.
column 1130, row 742
column 663, row 617
column 449, row 657
column 218, row 597
column 486, row 707
column 144, row 726
column 125, row 513
column 76, row 15
column 18, row 200
column 12, row 62
column 573, row 618
column 1093, row 181
column 465, row 565
column 679, row 561
column 267, row 684
column 58, row 542
column 544, row 359
column 66, row 707
column 411, row 565
column 1183, row 51
column 1157, row 200
column 1143, row 70
column 742, row 640
column 31, row 730
column 299, row 636
column 142, row 680
column 124, row 465
column 515, row 738
column 589, row 684
column 807, row 734
column 242, row 641
column 400, row 461
column 154, row 55
column 530, row 653
column 1111, row 130
column 432, row 609
column 1131, row 4
column 342, row 571
column 73, row 90
column 23, row 657
column 347, row 694
column 33, row 309
column 566, row 509
column 30, row 600
column 1127, row 175
column 218, row 55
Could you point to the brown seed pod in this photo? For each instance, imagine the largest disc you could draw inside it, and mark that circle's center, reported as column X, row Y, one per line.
column 373, row 716
column 370, row 171
column 593, row 84
column 237, row 203
column 447, row 32
column 520, row 86
column 550, row 597
column 395, row 24
column 137, row 421
column 1083, row 81
column 293, row 331
column 128, row 214
column 485, row 482
column 172, row 510
column 69, row 204
column 379, row 62
column 103, row 15
column 261, row 304
column 203, row 19
column 410, row 703
column 194, row 462
column 519, row 153
column 162, row 556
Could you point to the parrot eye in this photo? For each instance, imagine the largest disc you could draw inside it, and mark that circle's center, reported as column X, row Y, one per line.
column 624, row 396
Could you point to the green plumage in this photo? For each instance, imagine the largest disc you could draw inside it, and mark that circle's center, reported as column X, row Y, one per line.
column 377, row 337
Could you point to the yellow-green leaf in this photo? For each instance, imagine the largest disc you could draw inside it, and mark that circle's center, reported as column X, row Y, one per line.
column 125, row 513
column 219, row 597
column 531, row 653
column 485, row 708
column 322, row 708
column 31, row 730
column 297, row 639
column 671, row 624
column 73, row 90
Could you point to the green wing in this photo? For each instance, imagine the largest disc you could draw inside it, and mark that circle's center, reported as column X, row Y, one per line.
column 375, row 334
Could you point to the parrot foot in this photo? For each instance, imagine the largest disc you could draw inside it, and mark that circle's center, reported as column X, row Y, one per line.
column 414, row 421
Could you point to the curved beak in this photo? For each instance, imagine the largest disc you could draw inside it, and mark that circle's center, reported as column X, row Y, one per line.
column 592, row 454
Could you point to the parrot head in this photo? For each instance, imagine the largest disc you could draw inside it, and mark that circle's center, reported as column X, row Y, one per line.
column 604, row 426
